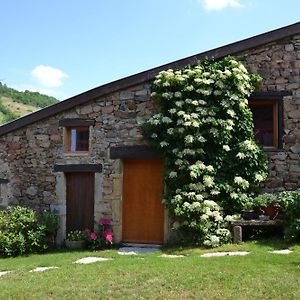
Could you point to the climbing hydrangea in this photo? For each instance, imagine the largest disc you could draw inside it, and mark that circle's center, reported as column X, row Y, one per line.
column 204, row 130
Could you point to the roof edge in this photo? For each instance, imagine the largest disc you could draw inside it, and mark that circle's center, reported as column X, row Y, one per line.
column 145, row 76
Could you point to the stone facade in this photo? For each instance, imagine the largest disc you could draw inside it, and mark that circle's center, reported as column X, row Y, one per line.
column 28, row 154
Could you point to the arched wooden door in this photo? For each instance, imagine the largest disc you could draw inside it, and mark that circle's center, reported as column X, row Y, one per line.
column 143, row 211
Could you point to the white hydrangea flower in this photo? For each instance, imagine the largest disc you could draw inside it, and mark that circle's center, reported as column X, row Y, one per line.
column 227, row 72
column 173, row 174
column 259, row 177
column 179, row 103
column 204, row 217
column 153, row 94
column 210, row 203
column 154, row 135
column 231, row 113
column 164, row 144
column 241, row 155
column 241, row 182
column 166, row 83
column 249, row 145
column 177, row 94
column 230, row 218
column 208, row 181
column 215, row 192
column 210, row 168
column 223, row 232
column 170, row 131
column 226, row 148
column 189, row 88
column 189, row 139
column 217, row 92
column 234, row 195
column 166, row 120
column 172, row 111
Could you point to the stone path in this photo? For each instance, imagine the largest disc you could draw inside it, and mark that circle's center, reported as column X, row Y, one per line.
column 232, row 253
column 171, row 256
column 283, row 251
column 42, row 269
column 141, row 250
column 136, row 250
column 4, row 273
column 90, row 260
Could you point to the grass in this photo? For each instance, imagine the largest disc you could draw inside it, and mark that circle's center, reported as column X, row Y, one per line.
column 16, row 107
column 260, row 275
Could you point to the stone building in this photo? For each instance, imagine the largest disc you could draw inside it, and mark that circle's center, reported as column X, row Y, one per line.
column 85, row 157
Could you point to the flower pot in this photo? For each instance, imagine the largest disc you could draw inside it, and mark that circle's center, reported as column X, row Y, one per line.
column 249, row 215
column 75, row 244
column 272, row 210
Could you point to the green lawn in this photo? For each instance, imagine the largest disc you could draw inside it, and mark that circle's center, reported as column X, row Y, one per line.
column 259, row 275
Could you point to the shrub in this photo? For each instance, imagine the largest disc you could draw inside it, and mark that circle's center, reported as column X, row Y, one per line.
column 204, row 131
column 21, row 232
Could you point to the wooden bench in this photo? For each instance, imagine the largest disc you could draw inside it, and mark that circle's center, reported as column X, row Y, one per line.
column 238, row 227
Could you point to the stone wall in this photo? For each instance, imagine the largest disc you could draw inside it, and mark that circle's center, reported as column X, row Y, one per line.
column 28, row 155
column 279, row 64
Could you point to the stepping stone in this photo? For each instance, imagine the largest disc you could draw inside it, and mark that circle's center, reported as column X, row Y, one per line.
column 232, row 253
column 171, row 256
column 90, row 260
column 4, row 273
column 136, row 250
column 283, row 251
column 42, row 269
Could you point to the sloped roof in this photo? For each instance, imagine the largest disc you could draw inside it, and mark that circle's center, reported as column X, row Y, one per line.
column 148, row 75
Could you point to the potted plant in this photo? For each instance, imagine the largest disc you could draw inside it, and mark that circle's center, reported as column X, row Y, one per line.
column 267, row 205
column 75, row 240
column 248, row 213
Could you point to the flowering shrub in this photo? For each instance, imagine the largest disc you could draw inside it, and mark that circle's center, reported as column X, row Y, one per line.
column 100, row 238
column 204, row 130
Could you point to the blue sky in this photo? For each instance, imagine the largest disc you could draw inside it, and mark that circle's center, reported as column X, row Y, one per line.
column 66, row 47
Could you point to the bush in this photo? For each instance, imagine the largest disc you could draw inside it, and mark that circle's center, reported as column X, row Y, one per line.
column 204, row 130
column 21, row 232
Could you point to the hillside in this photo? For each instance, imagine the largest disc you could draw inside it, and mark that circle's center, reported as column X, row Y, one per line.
column 15, row 104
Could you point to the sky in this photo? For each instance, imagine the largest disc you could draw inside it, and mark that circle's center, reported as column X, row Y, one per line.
column 65, row 47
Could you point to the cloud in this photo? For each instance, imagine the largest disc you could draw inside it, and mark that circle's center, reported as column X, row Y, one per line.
column 48, row 77
column 219, row 4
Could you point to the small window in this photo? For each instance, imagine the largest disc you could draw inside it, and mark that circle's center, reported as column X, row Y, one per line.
column 265, row 118
column 77, row 139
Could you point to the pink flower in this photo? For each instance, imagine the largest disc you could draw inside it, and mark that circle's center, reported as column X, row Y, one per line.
column 104, row 222
column 93, row 236
column 108, row 235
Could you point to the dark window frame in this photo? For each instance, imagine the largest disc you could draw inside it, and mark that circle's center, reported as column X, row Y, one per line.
column 277, row 99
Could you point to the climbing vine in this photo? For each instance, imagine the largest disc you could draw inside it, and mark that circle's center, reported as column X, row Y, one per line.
column 204, row 130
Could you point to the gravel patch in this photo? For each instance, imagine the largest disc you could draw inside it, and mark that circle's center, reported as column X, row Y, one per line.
column 42, row 269
column 136, row 250
column 283, row 251
column 232, row 253
column 90, row 260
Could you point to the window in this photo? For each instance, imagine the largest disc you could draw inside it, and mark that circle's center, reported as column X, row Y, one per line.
column 265, row 118
column 77, row 139
column 76, row 135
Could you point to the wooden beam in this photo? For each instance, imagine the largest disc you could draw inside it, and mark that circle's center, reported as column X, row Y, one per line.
column 139, row 151
column 70, row 168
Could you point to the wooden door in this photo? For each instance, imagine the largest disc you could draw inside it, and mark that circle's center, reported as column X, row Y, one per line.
column 80, row 201
column 143, row 211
